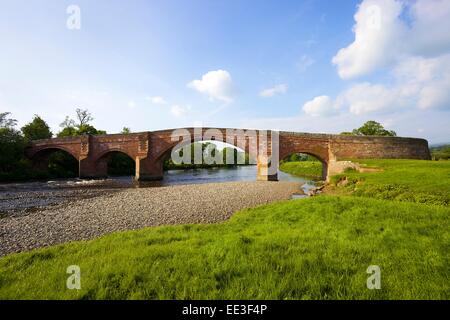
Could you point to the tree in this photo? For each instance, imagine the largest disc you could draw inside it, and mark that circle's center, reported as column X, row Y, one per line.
column 5, row 122
column 36, row 129
column 126, row 130
column 88, row 129
column 12, row 145
column 84, row 117
column 440, row 152
column 82, row 126
column 371, row 128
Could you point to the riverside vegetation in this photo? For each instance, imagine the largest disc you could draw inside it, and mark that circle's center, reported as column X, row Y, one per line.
column 396, row 217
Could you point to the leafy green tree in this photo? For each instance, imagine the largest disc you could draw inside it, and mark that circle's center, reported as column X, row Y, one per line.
column 371, row 128
column 126, row 130
column 88, row 129
column 79, row 127
column 36, row 129
column 440, row 152
column 5, row 122
column 12, row 161
column 67, row 132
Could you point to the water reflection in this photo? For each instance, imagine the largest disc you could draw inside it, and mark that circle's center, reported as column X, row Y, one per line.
column 171, row 177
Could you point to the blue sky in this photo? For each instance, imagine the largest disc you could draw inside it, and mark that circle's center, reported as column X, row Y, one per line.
column 289, row 65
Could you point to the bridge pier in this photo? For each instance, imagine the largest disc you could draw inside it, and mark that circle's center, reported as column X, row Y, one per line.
column 88, row 169
column 148, row 169
column 264, row 172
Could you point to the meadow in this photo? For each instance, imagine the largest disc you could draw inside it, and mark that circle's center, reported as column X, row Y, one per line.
column 312, row 169
column 317, row 248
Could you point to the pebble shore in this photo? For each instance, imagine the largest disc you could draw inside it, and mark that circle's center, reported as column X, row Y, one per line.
column 130, row 209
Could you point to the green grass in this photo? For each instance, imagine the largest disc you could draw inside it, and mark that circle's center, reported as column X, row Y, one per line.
column 315, row 248
column 303, row 168
column 403, row 180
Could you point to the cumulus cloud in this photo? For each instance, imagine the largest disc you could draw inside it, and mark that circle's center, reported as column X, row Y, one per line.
column 418, row 82
column 368, row 98
column 383, row 38
column 417, row 53
column 217, row 85
column 431, row 22
column 320, row 106
column 156, row 100
column 270, row 92
column 426, row 81
column 377, row 34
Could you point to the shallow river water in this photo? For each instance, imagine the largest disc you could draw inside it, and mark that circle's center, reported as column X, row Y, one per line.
column 25, row 196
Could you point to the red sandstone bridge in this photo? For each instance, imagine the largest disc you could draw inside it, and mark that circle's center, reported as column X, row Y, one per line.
column 150, row 149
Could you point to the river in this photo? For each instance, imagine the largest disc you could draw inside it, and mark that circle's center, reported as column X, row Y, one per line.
column 25, row 196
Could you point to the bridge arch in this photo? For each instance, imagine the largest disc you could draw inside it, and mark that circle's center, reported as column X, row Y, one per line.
column 191, row 138
column 55, row 162
column 49, row 149
column 320, row 158
column 105, row 153
column 166, row 154
column 106, row 162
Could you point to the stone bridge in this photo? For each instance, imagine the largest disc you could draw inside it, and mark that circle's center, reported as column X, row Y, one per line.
column 150, row 149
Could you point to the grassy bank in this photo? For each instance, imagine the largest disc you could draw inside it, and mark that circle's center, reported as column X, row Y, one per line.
column 403, row 180
column 316, row 248
column 311, row 169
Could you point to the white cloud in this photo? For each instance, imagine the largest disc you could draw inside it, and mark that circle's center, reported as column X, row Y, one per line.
column 383, row 38
column 320, row 106
column 378, row 39
column 304, row 63
column 418, row 54
column 270, row 92
column 423, row 83
column 217, row 85
column 368, row 98
column 156, row 100
column 431, row 25
column 178, row 110
column 426, row 80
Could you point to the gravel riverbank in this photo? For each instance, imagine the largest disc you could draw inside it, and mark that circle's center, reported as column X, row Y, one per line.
column 127, row 209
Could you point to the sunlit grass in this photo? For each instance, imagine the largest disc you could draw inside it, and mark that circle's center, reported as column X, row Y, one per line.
column 316, row 248
column 311, row 169
column 403, row 180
